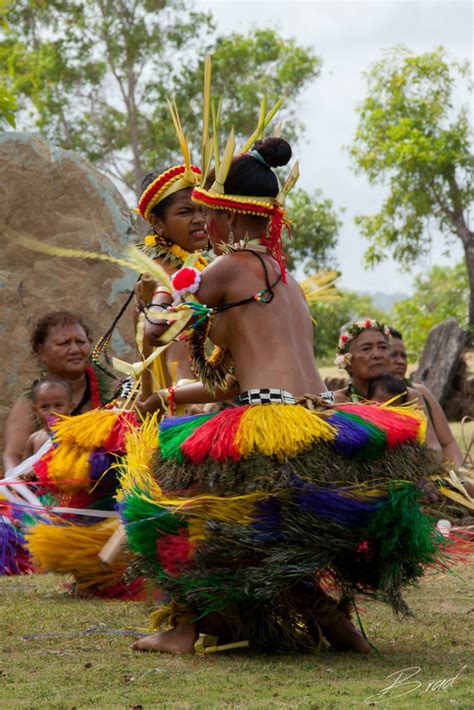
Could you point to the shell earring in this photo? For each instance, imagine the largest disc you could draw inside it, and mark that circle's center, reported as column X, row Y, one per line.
column 231, row 239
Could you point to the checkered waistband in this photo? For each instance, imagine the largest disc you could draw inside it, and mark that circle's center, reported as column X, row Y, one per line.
column 266, row 396
column 274, row 396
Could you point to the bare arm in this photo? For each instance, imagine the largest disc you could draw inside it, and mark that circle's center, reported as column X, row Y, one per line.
column 451, row 451
column 192, row 393
column 155, row 328
column 196, row 393
column 18, row 428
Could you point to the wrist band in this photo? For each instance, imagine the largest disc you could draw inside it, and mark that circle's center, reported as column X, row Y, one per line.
column 161, row 290
column 171, row 400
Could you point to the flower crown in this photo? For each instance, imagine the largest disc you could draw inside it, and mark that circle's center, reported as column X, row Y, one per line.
column 343, row 357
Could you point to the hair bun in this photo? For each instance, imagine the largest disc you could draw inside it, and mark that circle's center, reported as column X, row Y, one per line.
column 274, row 151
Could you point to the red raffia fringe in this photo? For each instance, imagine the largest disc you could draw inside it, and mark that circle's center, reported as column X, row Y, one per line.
column 398, row 428
column 215, row 437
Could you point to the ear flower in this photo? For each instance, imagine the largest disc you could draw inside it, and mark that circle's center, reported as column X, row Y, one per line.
column 343, row 360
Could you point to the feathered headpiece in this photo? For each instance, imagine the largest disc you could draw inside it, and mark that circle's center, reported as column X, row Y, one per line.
column 180, row 177
column 269, row 207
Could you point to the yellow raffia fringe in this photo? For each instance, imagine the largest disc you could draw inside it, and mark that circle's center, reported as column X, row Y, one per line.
column 140, row 445
column 232, row 509
column 73, row 549
column 167, row 616
column 196, row 530
column 68, row 468
column 281, row 430
column 89, row 431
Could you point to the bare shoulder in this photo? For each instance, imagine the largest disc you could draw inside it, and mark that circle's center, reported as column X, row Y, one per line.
column 38, row 438
column 414, row 395
column 226, row 263
column 217, row 276
column 425, row 392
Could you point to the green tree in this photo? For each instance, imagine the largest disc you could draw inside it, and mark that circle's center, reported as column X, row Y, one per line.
column 440, row 294
column 330, row 316
column 96, row 74
column 315, row 226
column 414, row 138
column 8, row 104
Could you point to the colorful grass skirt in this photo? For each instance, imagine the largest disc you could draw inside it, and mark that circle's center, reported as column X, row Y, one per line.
column 257, row 511
column 80, row 472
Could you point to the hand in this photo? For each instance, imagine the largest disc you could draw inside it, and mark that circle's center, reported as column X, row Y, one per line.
column 28, row 476
column 150, row 405
column 143, row 291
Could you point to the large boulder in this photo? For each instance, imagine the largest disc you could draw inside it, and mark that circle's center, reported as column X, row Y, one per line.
column 439, row 361
column 59, row 198
column 459, row 402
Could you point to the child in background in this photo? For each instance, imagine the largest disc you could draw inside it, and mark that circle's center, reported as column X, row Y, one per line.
column 387, row 387
column 50, row 396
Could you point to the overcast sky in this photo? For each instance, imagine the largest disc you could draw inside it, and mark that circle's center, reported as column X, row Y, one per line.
column 350, row 36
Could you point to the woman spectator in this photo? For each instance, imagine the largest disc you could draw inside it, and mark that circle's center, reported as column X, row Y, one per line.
column 364, row 351
column 61, row 341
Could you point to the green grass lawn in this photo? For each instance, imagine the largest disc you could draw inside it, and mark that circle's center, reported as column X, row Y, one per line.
column 69, row 669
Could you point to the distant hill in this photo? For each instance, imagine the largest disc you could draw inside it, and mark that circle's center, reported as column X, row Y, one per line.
column 385, row 301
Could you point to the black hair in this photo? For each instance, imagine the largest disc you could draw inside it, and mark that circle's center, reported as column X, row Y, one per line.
column 46, row 323
column 160, row 209
column 250, row 176
column 49, row 381
column 390, row 385
column 395, row 333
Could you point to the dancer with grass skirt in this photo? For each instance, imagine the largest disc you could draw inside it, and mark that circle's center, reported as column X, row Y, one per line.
column 263, row 522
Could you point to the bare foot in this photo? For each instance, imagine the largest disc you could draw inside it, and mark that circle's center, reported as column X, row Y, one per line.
column 342, row 636
column 181, row 639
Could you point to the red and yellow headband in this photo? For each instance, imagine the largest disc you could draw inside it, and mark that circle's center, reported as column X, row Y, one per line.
column 172, row 180
column 258, row 206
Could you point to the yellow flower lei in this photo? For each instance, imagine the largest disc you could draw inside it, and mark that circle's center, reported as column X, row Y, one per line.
column 153, row 240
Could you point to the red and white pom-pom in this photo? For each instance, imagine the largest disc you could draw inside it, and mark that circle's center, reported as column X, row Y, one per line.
column 186, row 280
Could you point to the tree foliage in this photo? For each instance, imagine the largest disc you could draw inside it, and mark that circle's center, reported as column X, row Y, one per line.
column 330, row 316
column 315, row 226
column 440, row 294
column 8, row 104
column 96, row 74
column 413, row 137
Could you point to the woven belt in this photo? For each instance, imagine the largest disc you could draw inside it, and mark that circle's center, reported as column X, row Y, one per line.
column 266, row 395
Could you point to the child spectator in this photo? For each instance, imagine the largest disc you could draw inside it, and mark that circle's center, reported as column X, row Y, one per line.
column 50, row 396
column 387, row 387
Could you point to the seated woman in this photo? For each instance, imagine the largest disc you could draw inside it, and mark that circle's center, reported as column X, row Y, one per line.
column 61, row 341
column 239, row 518
column 444, row 436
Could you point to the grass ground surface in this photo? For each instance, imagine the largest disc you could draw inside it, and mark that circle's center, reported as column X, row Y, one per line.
column 49, row 660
